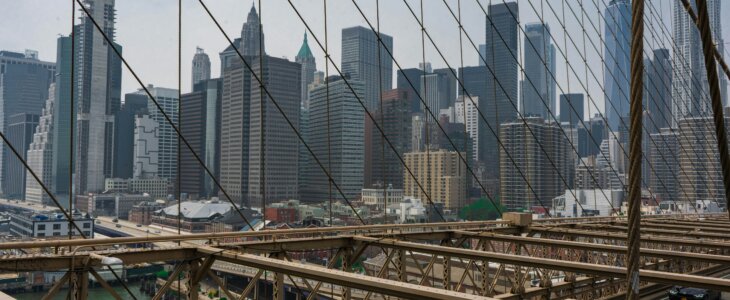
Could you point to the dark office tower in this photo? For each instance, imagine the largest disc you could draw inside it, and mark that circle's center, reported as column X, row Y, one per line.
column 134, row 104
column 571, row 109
column 61, row 145
column 543, row 161
column 447, row 84
column 360, row 60
column 99, row 73
column 201, row 67
column 309, row 66
column 501, row 84
column 659, row 89
column 616, row 82
column 346, row 130
column 252, row 36
column 538, row 87
column 664, row 159
column 474, row 80
column 410, row 80
column 200, row 124
column 19, row 133
column 395, row 120
column 273, row 160
column 24, row 82
column 235, row 107
column 590, row 138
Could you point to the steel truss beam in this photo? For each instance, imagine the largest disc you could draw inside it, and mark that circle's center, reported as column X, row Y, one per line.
column 341, row 278
column 535, row 262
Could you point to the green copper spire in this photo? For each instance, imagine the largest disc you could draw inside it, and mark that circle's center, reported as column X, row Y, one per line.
column 304, row 51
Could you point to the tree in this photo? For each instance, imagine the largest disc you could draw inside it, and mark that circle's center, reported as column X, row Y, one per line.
column 481, row 210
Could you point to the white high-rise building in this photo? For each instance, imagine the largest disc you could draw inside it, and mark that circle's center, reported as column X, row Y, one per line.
column 471, row 119
column 167, row 138
column 40, row 153
column 690, row 88
column 99, row 75
column 146, row 147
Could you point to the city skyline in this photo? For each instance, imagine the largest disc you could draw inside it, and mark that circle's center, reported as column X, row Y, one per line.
column 197, row 28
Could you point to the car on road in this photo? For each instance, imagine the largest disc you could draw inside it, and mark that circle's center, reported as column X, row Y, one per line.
column 115, row 220
column 689, row 293
column 119, row 225
column 139, row 225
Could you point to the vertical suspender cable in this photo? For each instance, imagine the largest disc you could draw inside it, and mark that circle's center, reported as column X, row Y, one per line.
column 71, row 120
column 262, row 119
column 179, row 113
column 382, row 117
column 703, row 22
column 635, row 133
column 327, row 92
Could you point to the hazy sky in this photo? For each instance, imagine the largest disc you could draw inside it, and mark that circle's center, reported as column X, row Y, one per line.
column 147, row 29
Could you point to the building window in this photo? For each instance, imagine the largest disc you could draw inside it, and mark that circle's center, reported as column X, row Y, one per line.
column 41, row 234
column 56, row 233
column 87, row 225
column 42, row 227
column 56, row 226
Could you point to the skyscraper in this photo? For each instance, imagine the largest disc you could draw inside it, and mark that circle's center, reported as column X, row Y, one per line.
column 410, row 79
column 360, row 60
column 62, row 127
column 385, row 168
column 273, row 160
column 166, row 135
column 99, row 73
column 146, row 162
column 252, row 35
column 544, row 161
column 40, row 154
column 616, row 67
column 498, row 105
column 663, row 157
column 124, row 119
column 571, row 109
column 538, row 87
column 345, row 142
column 237, row 88
column 20, row 134
column 470, row 117
column 200, row 123
column 201, row 67
column 24, row 82
column 701, row 176
column 690, row 88
column 235, row 107
column 659, row 90
column 474, row 79
column 309, row 66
